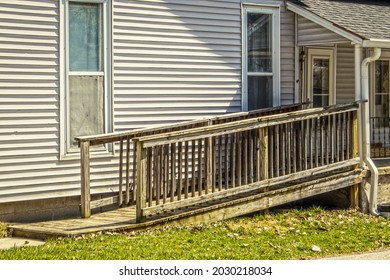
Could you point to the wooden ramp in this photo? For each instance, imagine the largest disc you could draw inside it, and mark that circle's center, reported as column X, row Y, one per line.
column 219, row 168
column 124, row 219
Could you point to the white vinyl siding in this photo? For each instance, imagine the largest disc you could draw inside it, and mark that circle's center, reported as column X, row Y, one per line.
column 310, row 33
column 173, row 61
column 345, row 85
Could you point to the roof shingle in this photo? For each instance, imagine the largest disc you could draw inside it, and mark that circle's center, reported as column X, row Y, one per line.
column 370, row 19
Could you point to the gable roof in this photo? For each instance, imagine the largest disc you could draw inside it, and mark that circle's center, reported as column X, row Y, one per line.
column 365, row 19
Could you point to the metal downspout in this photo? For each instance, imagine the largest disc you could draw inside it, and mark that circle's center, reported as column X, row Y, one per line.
column 366, row 133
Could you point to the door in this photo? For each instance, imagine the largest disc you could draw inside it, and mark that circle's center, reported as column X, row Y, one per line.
column 320, row 77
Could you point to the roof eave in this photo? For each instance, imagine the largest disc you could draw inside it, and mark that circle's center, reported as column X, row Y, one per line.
column 354, row 38
column 376, row 43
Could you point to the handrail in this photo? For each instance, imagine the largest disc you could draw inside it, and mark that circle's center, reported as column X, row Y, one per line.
column 125, row 140
column 116, row 136
column 238, row 126
column 225, row 156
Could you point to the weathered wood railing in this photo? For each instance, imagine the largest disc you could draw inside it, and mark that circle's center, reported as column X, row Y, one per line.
column 182, row 168
column 125, row 151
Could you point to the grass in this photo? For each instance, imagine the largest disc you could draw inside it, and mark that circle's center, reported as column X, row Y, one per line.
column 3, row 230
column 288, row 235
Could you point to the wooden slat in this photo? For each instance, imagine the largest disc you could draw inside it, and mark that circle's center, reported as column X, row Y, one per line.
column 226, row 137
column 180, row 170
column 311, row 141
column 141, row 157
column 214, row 164
column 277, row 149
column 251, row 156
column 294, row 141
column 265, row 184
column 245, row 157
column 239, row 159
column 186, row 168
column 173, row 171
column 321, row 120
column 85, row 180
column 165, row 165
column 220, row 162
column 200, row 167
column 288, row 136
column 264, row 172
column 283, row 149
column 127, row 195
column 193, row 166
column 120, row 200
column 150, row 176
column 271, row 151
column 134, row 177
column 258, row 155
column 316, row 144
column 233, row 138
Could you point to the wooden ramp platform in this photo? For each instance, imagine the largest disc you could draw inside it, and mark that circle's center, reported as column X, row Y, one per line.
column 124, row 219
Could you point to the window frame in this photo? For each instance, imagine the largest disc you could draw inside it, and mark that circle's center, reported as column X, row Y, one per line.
column 373, row 86
column 274, row 11
column 66, row 151
column 321, row 53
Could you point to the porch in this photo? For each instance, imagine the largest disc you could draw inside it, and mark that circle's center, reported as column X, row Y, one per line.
column 218, row 168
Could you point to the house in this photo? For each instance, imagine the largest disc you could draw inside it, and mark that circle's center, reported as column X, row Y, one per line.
column 74, row 67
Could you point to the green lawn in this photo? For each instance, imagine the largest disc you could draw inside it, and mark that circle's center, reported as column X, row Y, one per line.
column 288, row 235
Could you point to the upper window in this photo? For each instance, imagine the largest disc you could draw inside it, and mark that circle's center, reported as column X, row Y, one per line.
column 87, row 81
column 261, row 64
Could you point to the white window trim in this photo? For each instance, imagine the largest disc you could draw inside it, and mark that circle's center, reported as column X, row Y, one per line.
column 322, row 53
column 65, row 152
column 273, row 10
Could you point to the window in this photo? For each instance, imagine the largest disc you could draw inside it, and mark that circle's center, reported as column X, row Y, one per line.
column 261, row 64
column 382, row 91
column 87, row 90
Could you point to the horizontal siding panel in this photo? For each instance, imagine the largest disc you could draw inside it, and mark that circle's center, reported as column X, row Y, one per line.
column 345, row 77
column 312, row 33
column 173, row 61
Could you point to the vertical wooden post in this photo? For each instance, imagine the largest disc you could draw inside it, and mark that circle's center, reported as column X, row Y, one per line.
column 141, row 181
column 354, row 198
column 85, row 180
column 120, row 172
column 264, row 153
column 263, row 135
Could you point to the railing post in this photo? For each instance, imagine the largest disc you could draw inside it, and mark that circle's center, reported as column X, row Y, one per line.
column 354, row 191
column 85, row 180
column 263, row 134
column 141, row 163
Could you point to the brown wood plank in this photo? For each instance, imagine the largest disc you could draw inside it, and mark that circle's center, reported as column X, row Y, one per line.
column 127, row 195
column 239, row 159
column 173, row 172
column 200, row 167
column 180, row 170
column 220, row 163
column 193, row 166
column 120, row 198
column 150, row 176
column 233, row 138
column 85, row 180
column 245, row 157
column 141, row 181
column 186, row 169
column 226, row 137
